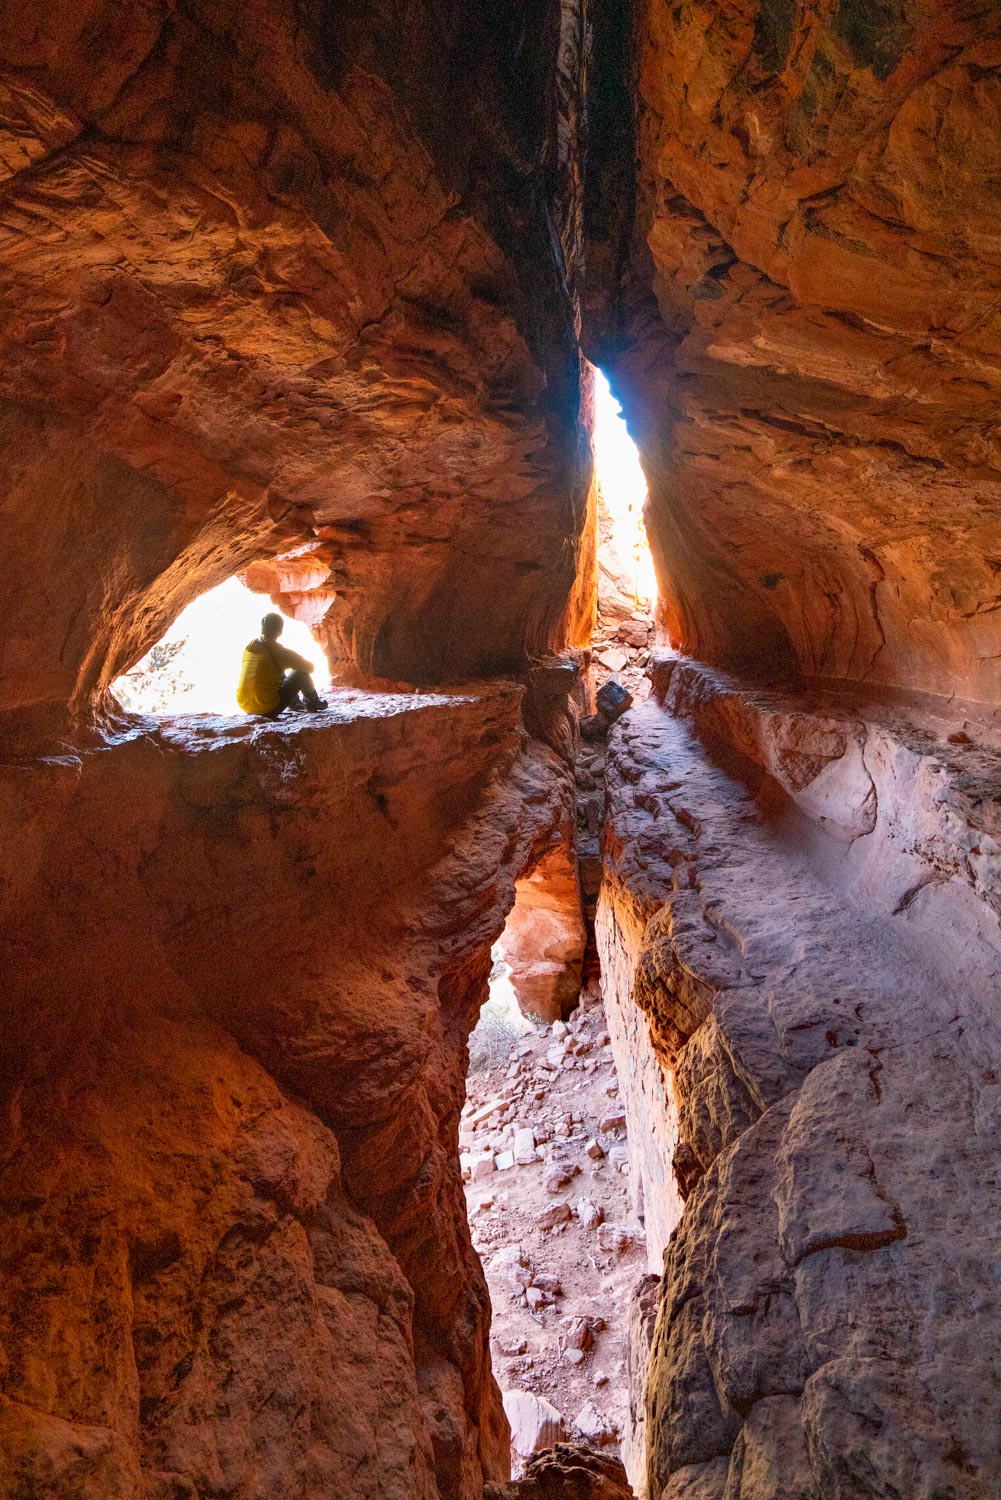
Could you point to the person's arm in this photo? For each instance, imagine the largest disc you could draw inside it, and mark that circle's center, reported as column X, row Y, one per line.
column 290, row 660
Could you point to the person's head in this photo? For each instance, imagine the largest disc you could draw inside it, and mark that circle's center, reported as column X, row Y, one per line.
column 271, row 627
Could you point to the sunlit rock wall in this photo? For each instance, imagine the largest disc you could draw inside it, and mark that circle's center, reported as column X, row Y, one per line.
column 544, row 939
column 796, row 299
column 261, row 292
column 817, row 973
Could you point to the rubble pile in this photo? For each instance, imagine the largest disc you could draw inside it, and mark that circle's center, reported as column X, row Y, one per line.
column 545, row 1160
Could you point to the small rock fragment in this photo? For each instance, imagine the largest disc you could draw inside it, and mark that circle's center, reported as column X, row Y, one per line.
column 524, row 1146
column 594, row 1149
column 514, row 1265
column 589, row 1213
column 592, row 1423
column 551, row 1285
column 557, row 1176
column 617, row 1238
column 577, row 1333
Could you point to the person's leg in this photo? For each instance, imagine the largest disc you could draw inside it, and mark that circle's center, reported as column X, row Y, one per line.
column 296, row 683
column 288, row 692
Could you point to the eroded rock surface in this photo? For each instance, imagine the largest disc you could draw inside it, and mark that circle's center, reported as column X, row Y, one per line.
column 242, row 960
column 260, row 294
column 798, row 310
column 817, row 969
column 566, row 1472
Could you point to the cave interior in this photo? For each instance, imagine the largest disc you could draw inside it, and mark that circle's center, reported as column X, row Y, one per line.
column 327, row 299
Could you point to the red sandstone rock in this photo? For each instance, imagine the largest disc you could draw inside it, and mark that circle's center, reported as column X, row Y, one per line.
column 259, row 294
column 268, row 307
column 234, row 1245
column 544, row 938
column 799, row 316
column 812, row 983
column 566, row 1472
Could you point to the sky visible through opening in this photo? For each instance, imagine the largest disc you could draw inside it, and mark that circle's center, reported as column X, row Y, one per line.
column 204, row 647
column 195, row 667
column 623, row 490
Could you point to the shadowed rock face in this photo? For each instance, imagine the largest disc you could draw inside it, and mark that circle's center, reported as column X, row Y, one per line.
column 566, row 1472
column 800, row 315
column 261, row 290
column 241, row 965
column 296, row 288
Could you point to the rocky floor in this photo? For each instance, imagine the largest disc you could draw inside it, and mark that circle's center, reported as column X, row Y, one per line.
column 545, row 1160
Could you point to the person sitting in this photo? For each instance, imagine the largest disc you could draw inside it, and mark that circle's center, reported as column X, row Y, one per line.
column 273, row 678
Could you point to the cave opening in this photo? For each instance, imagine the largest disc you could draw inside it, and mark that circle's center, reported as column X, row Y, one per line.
column 627, row 583
column 545, row 1161
column 299, row 293
column 195, row 666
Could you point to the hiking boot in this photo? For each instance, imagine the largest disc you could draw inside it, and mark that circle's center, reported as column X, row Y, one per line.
column 317, row 707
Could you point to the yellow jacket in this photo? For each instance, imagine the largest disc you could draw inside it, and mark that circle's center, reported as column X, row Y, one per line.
column 261, row 671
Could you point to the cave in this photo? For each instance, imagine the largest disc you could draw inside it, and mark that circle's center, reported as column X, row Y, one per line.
column 334, row 302
column 194, row 667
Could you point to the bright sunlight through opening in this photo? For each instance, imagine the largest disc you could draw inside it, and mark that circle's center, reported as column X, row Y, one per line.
column 624, row 552
column 195, row 668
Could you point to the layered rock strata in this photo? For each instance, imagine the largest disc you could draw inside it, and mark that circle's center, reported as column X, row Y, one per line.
column 805, row 906
column 792, row 276
column 260, row 295
column 242, row 961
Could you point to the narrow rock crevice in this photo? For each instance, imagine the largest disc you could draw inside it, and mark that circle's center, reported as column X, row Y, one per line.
column 308, row 294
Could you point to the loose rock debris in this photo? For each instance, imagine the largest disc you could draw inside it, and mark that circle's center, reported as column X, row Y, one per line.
column 545, row 1161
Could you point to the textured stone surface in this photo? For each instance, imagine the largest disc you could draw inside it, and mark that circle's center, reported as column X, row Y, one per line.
column 544, row 937
column 566, row 1472
column 293, row 289
column 535, row 1422
column 817, row 968
column 795, row 299
column 242, row 960
column 260, row 293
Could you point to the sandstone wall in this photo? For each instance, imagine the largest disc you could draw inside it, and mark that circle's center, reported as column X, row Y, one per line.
column 544, row 938
column 795, row 300
column 259, row 293
column 242, row 961
column 818, row 968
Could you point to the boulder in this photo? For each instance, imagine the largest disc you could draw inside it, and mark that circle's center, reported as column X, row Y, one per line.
column 553, row 1214
column 535, row 1423
column 612, row 701
column 566, row 1472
